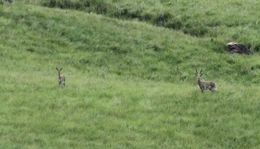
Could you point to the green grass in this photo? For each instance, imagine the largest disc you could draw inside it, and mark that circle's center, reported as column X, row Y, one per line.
column 111, row 113
column 220, row 20
column 133, row 49
column 123, row 86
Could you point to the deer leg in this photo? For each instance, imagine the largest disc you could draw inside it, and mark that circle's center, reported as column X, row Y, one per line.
column 201, row 88
column 213, row 90
column 60, row 83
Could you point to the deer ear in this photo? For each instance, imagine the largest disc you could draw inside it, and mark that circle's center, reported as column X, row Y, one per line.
column 57, row 68
column 196, row 72
column 61, row 69
column 201, row 72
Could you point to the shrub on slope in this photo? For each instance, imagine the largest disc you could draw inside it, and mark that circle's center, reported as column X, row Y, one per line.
column 132, row 49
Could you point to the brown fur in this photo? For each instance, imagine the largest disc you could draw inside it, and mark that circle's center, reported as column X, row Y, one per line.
column 205, row 85
column 61, row 77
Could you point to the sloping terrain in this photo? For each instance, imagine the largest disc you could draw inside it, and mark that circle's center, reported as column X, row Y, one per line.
column 130, row 84
column 221, row 20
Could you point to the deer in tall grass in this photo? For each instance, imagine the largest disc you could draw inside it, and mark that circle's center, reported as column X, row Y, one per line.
column 61, row 77
column 205, row 85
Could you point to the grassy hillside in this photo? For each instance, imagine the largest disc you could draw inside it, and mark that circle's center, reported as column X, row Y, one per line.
column 124, row 48
column 129, row 84
column 221, row 20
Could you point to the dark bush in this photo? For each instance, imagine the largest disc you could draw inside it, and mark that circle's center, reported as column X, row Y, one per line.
column 30, row 50
column 6, row 1
column 256, row 67
column 98, row 6
column 165, row 19
column 84, row 61
column 174, row 24
column 256, row 48
column 162, row 19
column 146, row 17
column 125, row 12
column 101, row 8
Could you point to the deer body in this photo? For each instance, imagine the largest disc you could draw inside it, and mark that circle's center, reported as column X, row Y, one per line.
column 205, row 85
column 61, row 78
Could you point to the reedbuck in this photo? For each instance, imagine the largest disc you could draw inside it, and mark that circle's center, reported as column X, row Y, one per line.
column 61, row 77
column 205, row 85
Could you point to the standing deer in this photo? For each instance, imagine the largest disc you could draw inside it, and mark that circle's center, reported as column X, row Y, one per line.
column 61, row 77
column 205, row 85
